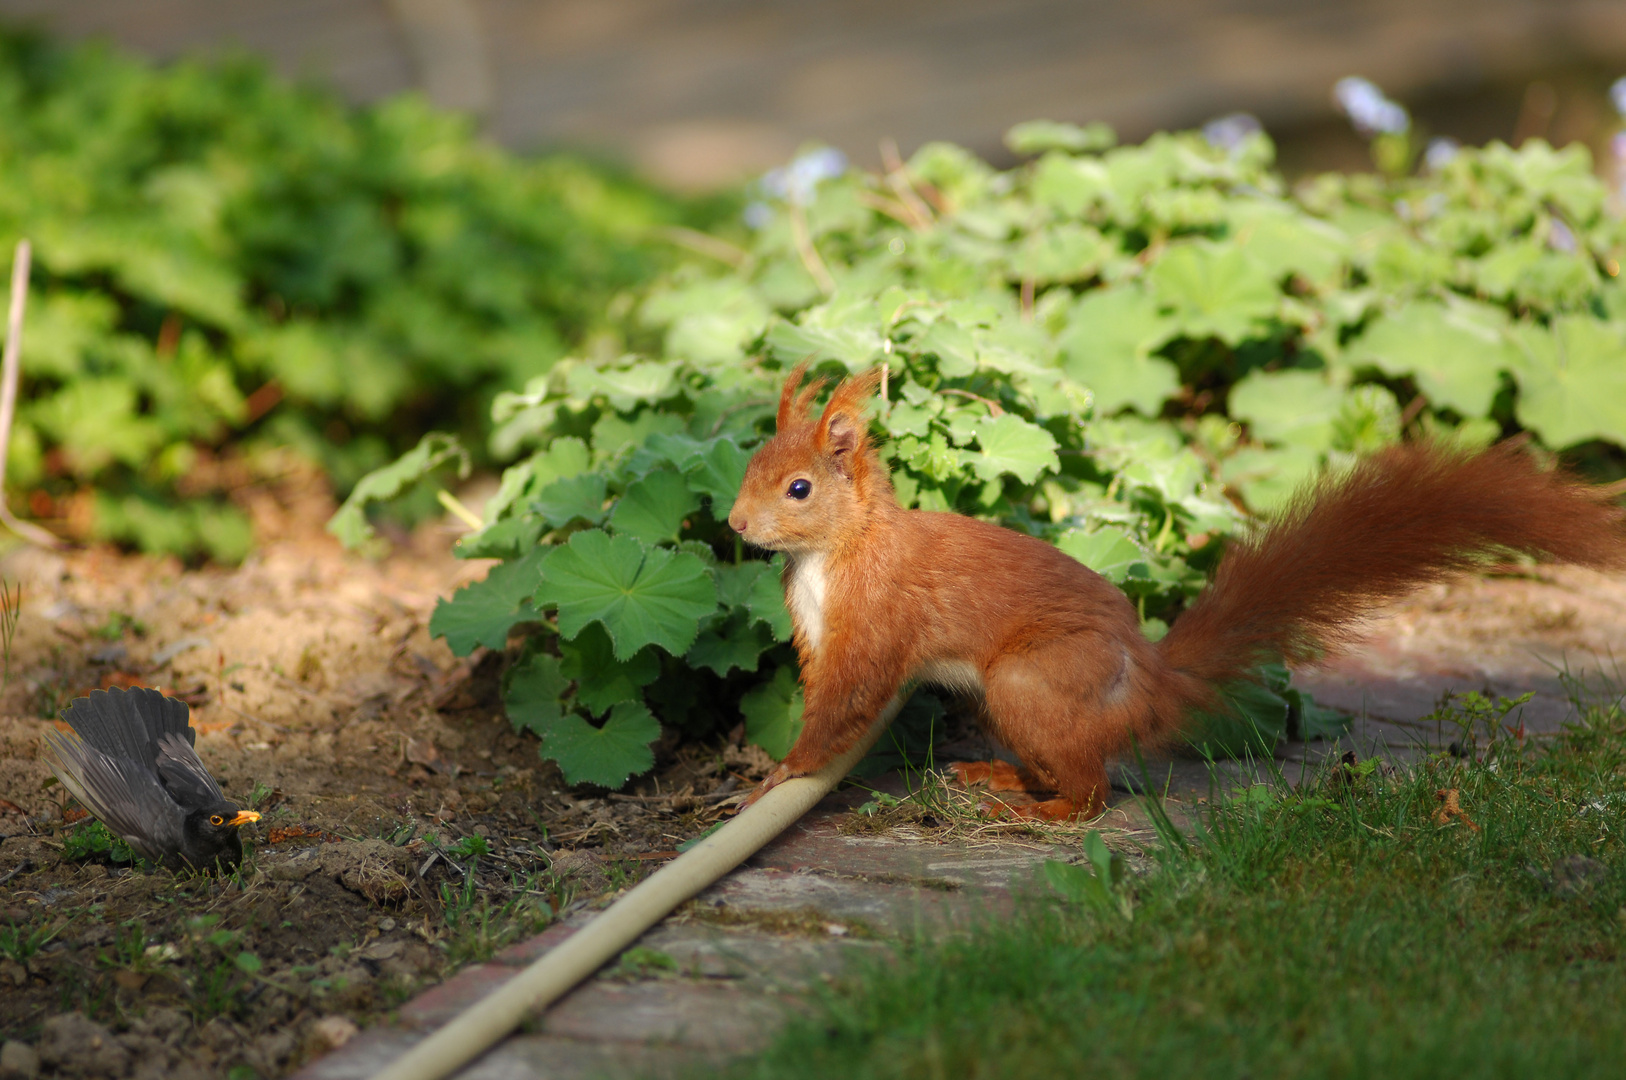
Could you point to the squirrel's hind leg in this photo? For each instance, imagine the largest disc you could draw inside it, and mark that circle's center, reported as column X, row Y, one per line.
column 998, row 775
column 1064, row 707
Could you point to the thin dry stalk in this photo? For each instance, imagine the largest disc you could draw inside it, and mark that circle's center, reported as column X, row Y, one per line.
column 9, row 372
column 897, row 178
column 804, row 247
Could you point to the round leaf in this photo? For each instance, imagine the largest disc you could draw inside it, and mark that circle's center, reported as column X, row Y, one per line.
column 605, row 755
column 642, row 596
column 654, row 507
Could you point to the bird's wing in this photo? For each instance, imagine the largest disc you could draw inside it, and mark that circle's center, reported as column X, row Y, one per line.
column 185, row 776
column 128, row 723
column 122, row 794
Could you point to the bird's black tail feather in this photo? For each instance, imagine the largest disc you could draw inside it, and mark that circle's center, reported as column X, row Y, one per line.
column 129, row 723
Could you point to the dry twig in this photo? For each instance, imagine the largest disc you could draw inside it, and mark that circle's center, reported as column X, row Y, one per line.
column 9, row 371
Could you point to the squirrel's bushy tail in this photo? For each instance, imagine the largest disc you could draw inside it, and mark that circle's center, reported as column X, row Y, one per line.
column 1404, row 517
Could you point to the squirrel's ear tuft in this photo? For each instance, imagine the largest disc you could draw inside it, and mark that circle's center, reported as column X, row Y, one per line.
column 844, row 428
column 793, row 405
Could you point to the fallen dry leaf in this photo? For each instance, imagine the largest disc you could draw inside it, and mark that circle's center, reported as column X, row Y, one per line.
column 1451, row 807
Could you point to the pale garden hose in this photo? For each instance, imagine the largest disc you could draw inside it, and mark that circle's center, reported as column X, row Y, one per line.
column 556, row 972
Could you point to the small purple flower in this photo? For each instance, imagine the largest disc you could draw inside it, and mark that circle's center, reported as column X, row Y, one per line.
column 798, row 180
column 1368, row 109
column 1228, row 133
column 757, row 215
column 1560, row 238
column 1617, row 95
column 1441, row 151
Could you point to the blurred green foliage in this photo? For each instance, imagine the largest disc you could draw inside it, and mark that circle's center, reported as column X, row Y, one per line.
column 225, row 259
column 1115, row 348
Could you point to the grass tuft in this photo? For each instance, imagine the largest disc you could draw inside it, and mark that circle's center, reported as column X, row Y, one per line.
column 1461, row 917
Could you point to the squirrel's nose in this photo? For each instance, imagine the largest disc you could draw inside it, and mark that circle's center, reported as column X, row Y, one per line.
column 737, row 522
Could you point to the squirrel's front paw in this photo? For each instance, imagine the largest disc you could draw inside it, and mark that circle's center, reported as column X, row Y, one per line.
column 769, row 782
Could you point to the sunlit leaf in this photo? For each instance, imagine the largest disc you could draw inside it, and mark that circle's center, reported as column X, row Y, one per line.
column 1109, row 337
column 641, row 595
column 1456, row 358
column 1214, row 290
column 1572, row 382
column 482, row 613
column 1010, row 444
column 432, row 452
column 654, row 507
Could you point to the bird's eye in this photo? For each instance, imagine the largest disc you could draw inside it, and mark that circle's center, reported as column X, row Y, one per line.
column 800, row 489
column 217, row 820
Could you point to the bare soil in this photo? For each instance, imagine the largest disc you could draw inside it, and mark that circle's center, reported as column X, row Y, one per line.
column 383, row 766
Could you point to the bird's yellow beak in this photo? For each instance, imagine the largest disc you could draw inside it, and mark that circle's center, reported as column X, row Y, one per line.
column 244, row 817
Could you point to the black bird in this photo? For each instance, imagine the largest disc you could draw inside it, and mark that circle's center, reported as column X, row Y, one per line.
column 130, row 762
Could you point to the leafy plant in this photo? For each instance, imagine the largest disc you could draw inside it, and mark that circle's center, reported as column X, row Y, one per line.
column 1100, row 886
column 92, row 840
column 228, row 263
column 1115, row 348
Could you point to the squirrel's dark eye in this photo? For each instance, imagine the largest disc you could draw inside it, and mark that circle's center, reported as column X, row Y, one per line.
column 217, row 820
column 800, row 489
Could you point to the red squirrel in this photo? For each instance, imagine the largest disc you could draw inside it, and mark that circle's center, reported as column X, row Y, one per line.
column 880, row 596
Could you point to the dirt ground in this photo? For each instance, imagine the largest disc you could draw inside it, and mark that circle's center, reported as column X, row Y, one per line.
column 407, row 830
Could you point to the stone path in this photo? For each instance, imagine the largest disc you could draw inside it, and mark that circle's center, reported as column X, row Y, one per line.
column 816, row 899
column 746, row 949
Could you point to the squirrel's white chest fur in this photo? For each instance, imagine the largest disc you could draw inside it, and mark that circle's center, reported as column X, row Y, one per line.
column 805, row 597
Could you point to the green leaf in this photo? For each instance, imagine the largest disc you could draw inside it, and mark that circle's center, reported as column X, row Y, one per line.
column 654, row 507
column 482, row 613
column 531, row 697
column 1215, row 290
column 1037, row 136
column 1251, row 720
column 564, row 457
column 754, row 585
column 708, row 322
column 433, row 450
column 1060, row 254
column 773, row 713
column 607, row 755
column 642, row 596
column 1455, row 356
column 718, row 471
column 1100, row 885
column 625, row 388
column 1268, row 477
column 1283, row 240
column 1010, row 444
column 1572, row 384
column 506, row 539
column 248, row 963
column 854, row 346
column 602, row 680
column 1298, row 407
column 738, row 642
column 574, row 498
column 614, row 434
column 1068, row 185
column 1107, row 551
column 1308, row 721
column 1106, row 347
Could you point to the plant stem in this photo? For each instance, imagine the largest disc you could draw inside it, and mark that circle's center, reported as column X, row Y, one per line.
column 8, row 393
